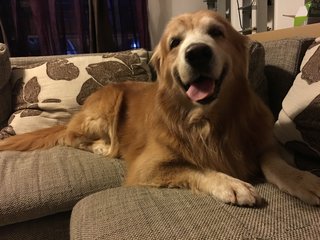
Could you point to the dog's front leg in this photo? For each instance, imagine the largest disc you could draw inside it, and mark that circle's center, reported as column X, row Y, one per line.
column 225, row 188
column 221, row 186
column 300, row 184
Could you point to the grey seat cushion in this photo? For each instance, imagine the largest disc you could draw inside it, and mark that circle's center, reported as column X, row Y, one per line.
column 149, row 213
column 44, row 182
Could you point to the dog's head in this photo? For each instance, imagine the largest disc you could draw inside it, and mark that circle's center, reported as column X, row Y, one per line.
column 198, row 54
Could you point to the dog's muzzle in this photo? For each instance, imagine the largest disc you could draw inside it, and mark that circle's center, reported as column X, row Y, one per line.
column 203, row 88
column 199, row 56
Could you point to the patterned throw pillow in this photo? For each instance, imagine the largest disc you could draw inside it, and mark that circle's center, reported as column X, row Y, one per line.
column 5, row 91
column 48, row 93
column 298, row 126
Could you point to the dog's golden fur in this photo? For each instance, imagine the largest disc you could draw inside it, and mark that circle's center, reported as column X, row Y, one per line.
column 170, row 140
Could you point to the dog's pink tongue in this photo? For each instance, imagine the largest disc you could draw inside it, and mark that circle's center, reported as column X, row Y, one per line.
column 200, row 90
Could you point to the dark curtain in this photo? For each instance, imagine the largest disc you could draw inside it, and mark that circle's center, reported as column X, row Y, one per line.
column 101, row 38
column 129, row 21
column 47, row 23
column 49, row 27
column 2, row 33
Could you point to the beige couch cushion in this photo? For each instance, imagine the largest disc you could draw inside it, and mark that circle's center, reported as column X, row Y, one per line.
column 47, row 93
column 149, row 213
column 45, row 182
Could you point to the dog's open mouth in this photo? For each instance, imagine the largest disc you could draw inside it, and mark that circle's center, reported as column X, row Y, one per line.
column 205, row 89
column 201, row 89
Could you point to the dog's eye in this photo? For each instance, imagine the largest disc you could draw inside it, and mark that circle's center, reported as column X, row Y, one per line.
column 215, row 32
column 174, row 42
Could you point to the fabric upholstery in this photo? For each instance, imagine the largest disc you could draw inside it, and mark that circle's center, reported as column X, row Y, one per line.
column 283, row 58
column 48, row 93
column 5, row 90
column 44, row 182
column 148, row 213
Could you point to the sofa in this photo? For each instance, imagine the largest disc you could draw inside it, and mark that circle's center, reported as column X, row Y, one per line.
column 66, row 193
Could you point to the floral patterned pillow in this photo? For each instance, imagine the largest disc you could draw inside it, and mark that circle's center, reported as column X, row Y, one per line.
column 48, row 93
column 298, row 126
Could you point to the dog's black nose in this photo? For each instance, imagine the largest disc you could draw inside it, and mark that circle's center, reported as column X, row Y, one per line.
column 199, row 55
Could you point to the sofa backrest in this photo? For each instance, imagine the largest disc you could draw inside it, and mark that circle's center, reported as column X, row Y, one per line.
column 282, row 61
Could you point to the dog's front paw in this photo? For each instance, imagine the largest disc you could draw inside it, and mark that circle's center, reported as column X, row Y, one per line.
column 303, row 185
column 100, row 147
column 234, row 191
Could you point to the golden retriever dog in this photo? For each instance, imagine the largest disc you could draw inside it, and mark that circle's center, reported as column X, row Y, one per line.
column 199, row 126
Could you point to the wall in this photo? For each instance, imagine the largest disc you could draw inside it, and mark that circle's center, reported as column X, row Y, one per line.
column 161, row 11
column 285, row 8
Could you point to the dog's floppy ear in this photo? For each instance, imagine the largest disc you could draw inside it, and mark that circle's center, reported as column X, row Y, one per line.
column 156, row 59
column 244, row 46
column 241, row 43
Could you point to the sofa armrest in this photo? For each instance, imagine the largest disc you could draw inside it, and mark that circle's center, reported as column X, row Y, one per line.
column 306, row 31
column 5, row 89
